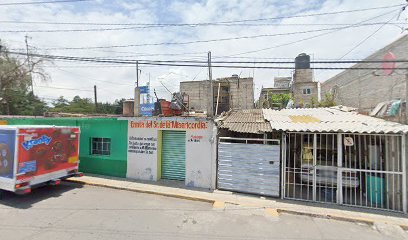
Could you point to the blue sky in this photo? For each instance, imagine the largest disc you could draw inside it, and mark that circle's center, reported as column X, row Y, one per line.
column 117, row 81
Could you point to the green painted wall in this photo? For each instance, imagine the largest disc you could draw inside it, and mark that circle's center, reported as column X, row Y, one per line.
column 112, row 165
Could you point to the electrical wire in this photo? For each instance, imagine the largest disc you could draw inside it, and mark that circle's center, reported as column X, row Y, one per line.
column 366, row 38
column 63, row 88
column 309, row 38
column 201, row 64
column 42, row 2
column 165, row 26
column 205, row 41
column 208, row 23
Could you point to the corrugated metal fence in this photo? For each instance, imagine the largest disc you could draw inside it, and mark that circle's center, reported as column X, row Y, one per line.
column 249, row 165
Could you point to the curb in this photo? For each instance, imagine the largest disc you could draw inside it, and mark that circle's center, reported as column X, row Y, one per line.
column 218, row 204
column 181, row 196
column 328, row 216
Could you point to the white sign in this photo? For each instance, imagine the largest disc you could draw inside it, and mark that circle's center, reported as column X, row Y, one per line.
column 348, row 141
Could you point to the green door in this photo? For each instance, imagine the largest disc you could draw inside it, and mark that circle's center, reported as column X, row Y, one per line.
column 174, row 155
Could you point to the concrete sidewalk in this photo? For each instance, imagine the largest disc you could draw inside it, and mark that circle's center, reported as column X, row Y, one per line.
column 220, row 198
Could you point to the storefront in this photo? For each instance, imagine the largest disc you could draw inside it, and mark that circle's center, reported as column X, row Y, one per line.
column 177, row 148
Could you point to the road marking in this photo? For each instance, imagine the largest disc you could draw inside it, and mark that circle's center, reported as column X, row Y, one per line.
column 219, row 205
column 271, row 212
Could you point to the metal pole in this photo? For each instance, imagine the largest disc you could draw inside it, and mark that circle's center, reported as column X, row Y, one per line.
column 96, row 99
column 339, row 168
column 406, row 97
column 28, row 63
column 404, row 172
column 136, row 107
column 211, row 102
column 218, row 98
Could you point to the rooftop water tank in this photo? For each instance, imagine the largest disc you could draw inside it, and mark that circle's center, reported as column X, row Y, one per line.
column 302, row 61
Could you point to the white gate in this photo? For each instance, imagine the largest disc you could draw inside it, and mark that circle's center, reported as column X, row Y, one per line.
column 364, row 170
column 249, row 165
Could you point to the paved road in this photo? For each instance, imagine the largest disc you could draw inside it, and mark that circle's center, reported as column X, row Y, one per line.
column 75, row 212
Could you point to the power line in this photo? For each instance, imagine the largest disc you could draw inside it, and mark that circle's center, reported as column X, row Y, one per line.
column 312, row 37
column 366, row 38
column 63, row 88
column 42, row 2
column 166, row 26
column 203, row 41
column 200, row 64
column 202, row 23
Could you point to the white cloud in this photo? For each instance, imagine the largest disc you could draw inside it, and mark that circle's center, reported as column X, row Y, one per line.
column 330, row 46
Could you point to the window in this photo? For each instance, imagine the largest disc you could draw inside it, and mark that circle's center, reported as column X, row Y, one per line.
column 100, row 146
column 307, row 91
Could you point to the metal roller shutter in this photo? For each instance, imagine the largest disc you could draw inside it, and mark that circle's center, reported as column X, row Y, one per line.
column 250, row 168
column 174, row 155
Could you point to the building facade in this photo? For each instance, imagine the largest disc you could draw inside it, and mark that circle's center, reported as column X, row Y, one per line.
column 143, row 148
column 281, row 85
column 364, row 89
column 103, row 143
column 230, row 93
column 175, row 148
column 305, row 91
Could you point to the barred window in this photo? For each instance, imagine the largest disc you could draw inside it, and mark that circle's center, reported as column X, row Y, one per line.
column 307, row 91
column 100, row 146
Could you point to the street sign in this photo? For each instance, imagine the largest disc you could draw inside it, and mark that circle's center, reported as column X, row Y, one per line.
column 144, row 89
column 146, row 109
column 348, row 141
column 389, row 63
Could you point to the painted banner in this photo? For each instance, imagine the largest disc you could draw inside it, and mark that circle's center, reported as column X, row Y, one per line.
column 7, row 150
column 45, row 150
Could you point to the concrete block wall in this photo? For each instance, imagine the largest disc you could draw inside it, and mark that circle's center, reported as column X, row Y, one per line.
column 198, row 92
column 303, row 75
column 364, row 89
column 241, row 92
column 299, row 97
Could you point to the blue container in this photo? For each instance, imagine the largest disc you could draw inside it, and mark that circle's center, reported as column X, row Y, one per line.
column 375, row 190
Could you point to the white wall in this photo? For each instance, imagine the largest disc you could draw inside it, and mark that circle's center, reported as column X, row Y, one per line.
column 143, row 163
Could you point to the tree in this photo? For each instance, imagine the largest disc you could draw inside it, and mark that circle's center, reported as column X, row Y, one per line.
column 328, row 101
column 279, row 100
column 86, row 106
column 61, row 102
column 16, row 75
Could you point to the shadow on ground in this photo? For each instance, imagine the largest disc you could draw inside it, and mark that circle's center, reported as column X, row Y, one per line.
column 39, row 194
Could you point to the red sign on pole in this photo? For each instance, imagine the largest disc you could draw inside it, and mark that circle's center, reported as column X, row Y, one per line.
column 388, row 64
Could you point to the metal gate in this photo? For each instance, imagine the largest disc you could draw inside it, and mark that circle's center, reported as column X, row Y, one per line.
column 364, row 170
column 173, row 155
column 249, row 165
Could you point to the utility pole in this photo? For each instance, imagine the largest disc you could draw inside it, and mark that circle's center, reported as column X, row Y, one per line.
column 406, row 97
column 136, row 110
column 211, row 95
column 96, row 99
column 29, row 65
column 148, row 92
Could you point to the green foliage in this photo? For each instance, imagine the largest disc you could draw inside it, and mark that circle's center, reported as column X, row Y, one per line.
column 313, row 102
column 86, row 106
column 328, row 101
column 16, row 97
column 279, row 100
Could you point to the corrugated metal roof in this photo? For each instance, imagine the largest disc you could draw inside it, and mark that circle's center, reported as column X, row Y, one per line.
column 246, row 121
column 329, row 120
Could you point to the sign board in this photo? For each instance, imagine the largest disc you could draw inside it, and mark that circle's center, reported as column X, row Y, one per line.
column 388, row 64
column 348, row 141
column 147, row 109
column 144, row 89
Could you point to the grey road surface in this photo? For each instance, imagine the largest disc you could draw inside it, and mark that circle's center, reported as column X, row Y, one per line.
column 84, row 212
